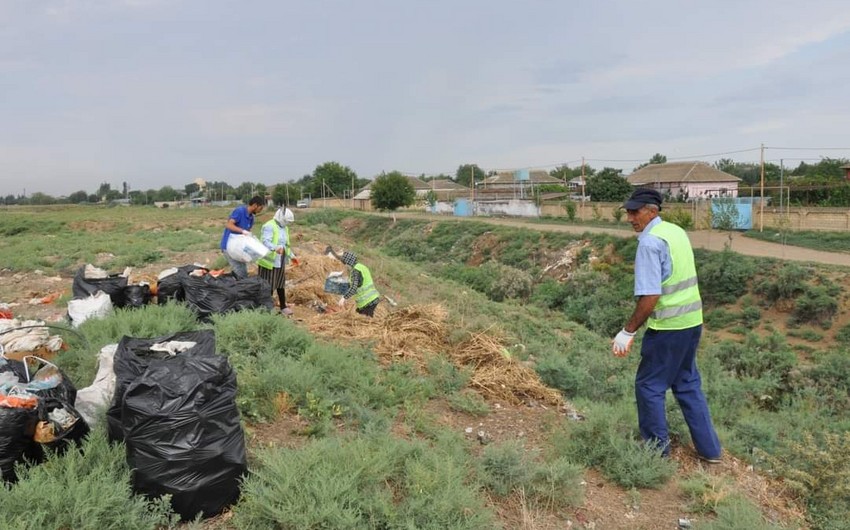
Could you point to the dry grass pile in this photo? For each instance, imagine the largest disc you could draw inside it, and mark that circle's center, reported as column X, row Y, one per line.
column 306, row 282
column 496, row 375
column 413, row 331
column 410, row 333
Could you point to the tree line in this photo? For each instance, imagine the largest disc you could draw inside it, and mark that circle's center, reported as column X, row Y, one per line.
column 822, row 183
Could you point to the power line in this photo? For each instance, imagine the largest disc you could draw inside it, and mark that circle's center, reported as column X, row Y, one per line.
column 688, row 157
column 811, row 148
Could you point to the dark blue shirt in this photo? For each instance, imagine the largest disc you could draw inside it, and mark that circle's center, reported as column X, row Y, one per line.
column 243, row 219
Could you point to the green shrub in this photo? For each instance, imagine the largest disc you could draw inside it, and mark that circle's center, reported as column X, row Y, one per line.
column 87, row 489
column 475, row 277
column 379, row 482
column 552, row 294
column 509, row 282
column 679, row 216
column 750, row 316
column 411, row 246
column 470, row 402
column 556, row 485
column 806, row 334
column 617, row 214
column 720, row 318
column 816, row 306
column 606, row 440
column 571, row 210
column 786, row 284
column 504, row 468
column 843, row 334
column 723, row 276
column 737, row 513
column 818, row 470
column 447, row 377
column 706, row 493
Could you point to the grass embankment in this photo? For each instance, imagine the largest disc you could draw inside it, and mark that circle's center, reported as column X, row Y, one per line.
column 826, row 241
column 371, row 453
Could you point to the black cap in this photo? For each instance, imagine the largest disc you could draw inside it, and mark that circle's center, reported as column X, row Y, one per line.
column 641, row 197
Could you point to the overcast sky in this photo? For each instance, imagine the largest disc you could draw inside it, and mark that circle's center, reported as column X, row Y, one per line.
column 160, row 92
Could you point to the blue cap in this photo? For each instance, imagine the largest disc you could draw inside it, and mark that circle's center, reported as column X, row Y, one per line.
column 641, row 197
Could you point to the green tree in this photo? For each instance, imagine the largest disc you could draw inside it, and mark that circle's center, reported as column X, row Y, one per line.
column 748, row 172
column 608, row 186
column 392, row 191
column 219, row 191
column 191, row 188
column 467, row 171
column 78, row 197
column 332, row 179
column 41, row 198
column 166, row 193
column 567, row 173
column 103, row 191
column 286, row 194
column 657, row 158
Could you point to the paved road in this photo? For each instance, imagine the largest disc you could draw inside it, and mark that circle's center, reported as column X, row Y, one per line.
column 706, row 239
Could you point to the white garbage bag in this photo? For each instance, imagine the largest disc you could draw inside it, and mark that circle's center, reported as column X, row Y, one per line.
column 98, row 305
column 92, row 399
column 245, row 248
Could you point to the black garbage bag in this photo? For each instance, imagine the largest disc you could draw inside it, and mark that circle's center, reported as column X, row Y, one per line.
column 18, row 417
column 15, row 367
column 171, row 287
column 207, row 295
column 59, row 425
column 132, row 358
column 183, row 433
column 137, row 295
column 49, row 382
column 113, row 285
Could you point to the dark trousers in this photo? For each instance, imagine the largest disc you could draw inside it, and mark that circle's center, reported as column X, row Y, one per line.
column 668, row 361
column 368, row 310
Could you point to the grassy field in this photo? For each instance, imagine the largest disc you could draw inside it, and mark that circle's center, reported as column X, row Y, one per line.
column 359, row 443
column 827, row 241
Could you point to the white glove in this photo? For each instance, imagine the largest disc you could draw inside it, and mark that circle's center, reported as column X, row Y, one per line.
column 341, row 302
column 622, row 343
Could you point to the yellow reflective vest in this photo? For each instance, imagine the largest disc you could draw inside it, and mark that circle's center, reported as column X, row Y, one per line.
column 366, row 293
column 267, row 263
column 680, row 305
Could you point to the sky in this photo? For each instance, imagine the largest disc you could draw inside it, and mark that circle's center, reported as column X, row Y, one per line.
column 161, row 92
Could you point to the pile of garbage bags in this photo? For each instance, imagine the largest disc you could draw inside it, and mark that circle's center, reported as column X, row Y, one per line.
column 175, row 409
column 96, row 292
column 36, row 411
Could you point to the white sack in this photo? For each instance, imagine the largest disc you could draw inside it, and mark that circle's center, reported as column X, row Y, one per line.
column 92, row 399
column 98, row 305
column 245, row 248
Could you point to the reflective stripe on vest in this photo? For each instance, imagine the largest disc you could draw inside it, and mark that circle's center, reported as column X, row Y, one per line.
column 680, row 305
column 265, row 262
column 366, row 293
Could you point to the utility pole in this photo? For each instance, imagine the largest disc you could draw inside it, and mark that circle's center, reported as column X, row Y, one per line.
column 582, row 188
column 781, row 183
column 761, row 206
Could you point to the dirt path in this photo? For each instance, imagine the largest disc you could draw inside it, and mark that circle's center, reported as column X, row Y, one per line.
column 707, row 239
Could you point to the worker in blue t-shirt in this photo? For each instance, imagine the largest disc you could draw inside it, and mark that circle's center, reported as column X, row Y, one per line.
column 240, row 222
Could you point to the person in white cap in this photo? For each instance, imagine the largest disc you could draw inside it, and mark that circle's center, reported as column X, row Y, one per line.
column 275, row 236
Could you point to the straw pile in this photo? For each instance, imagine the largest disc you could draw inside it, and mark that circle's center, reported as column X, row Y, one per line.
column 306, row 282
column 496, row 375
column 410, row 333
column 414, row 333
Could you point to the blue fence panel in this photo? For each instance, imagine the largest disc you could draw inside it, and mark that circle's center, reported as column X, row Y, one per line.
column 744, row 207
column 462, row 208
